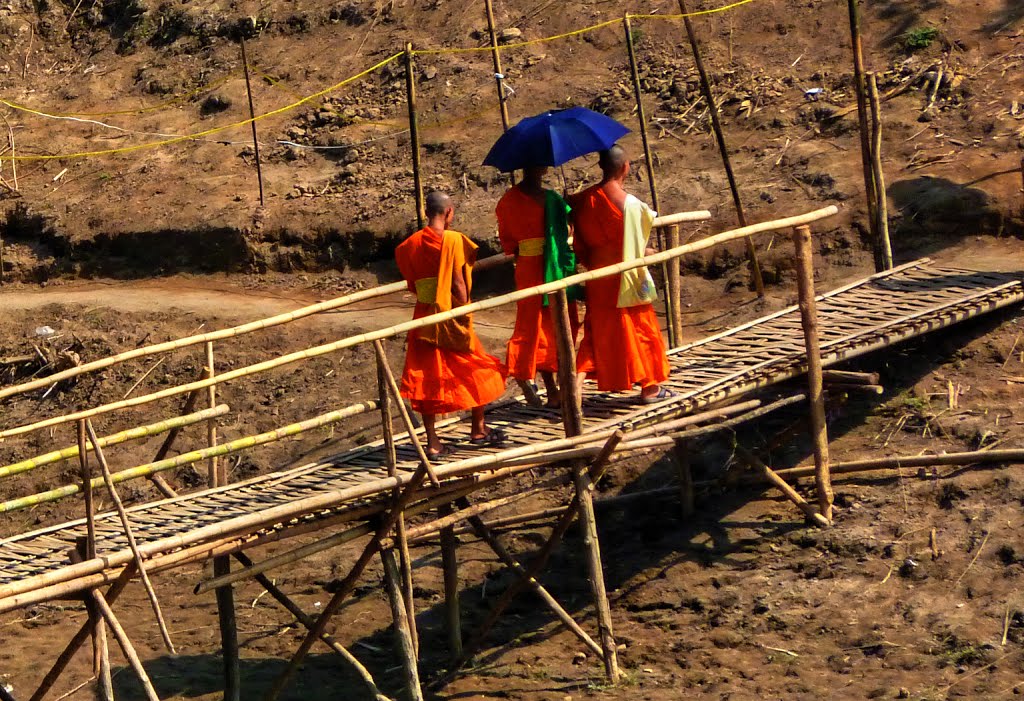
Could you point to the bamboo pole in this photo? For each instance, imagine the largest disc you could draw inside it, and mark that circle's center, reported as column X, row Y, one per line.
column 675, row 288
column 234, row 331
column 815, row 396
column 126, row 644
column 450, row 568
column 414, row 133
column 403, row 638
column 772, row 477
column 429, row 320
column 716, row 125
column 571, row 399
column 860, row 89
column 391, row 458
column 652, row 183
column 5, row 695
column 130, row 535
column 252, row 120
column 1008, row 456
column 881, row 204
column 683, row 451
column 499, row 75
column 308, row 623
column 195, row 456
column 78, row 639
column 851, row 378
column 410, row 427
column 131, row 434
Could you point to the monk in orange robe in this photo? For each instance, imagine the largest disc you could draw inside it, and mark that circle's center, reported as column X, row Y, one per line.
column 437, row 380
column 622, row 345
column 521, row 229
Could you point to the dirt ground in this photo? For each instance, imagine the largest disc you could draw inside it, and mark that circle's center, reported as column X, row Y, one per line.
column 742, row 601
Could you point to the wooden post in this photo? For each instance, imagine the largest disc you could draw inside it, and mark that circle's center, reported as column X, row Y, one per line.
column 450, row 566
column 126, row 644
column 222, row 565
column 129, row 534
column 675, row 288
column 572, row 416
column 403, row 639
column 815, row 395
column 716, row 125
column 252, row 122
column 860, row 89
column 881, row 204
column 414, row 134
column 651, row 181
column 499, row 76
column 5, row 695
column 87, row 551
column 391, row 455
column 682, row 452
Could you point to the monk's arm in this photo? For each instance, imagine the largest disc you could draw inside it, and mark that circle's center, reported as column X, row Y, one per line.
column 460, row 291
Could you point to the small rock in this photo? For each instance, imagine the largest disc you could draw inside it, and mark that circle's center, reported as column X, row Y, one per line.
column 579, row 658
column 510, row 34
column 903, row 693
column 429, row 73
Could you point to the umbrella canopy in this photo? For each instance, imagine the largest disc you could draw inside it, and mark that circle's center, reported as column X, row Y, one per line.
column 552, row 138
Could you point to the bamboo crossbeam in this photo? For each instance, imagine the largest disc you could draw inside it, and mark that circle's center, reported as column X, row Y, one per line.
column 1008, row 455
column 194, row 456
column 501, row 300
column 115, row 439
column 222, row 334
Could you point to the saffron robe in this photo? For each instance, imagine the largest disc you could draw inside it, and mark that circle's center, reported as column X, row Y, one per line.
column 522, row 230
column 621, row 346
column 435, row 380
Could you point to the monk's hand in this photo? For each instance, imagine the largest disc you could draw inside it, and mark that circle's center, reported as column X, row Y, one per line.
column 649, row 251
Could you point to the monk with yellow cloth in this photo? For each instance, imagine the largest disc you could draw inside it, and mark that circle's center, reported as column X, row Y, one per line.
column 533, row 227
column 622, row 345
column 446, row 367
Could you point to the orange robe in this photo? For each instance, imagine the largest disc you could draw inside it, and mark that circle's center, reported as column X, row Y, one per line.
column 532, row 345
column 435, row 380
column 621, row 347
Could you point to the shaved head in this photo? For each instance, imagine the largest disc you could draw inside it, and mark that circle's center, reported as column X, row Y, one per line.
column 612, row 161
column 437, row 203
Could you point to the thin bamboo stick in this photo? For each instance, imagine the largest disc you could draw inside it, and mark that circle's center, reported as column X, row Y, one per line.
column 716, row 125
column 410, row 427
column 569, row 388
column 499, row 76
column 195, row 455
column 113, row 439
column 403, row 638
column 78, row 639
column 815, row 396
column 771, row 476
column 414, row 133
column 652, row 183
column 100, row 651
column 252, row 120
column 391, row 458
column 881, row 203
column 860, row 89
column 675, row 288
column 232, row 332
column 126, row 644
column 1008, row 455
column 130, row 535
column 450, row 569
column 432, row 319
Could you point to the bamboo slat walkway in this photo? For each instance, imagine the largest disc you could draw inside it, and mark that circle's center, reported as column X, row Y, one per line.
column 867, row 315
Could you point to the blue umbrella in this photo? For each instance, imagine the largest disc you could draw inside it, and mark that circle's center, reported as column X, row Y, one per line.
column 553, row 138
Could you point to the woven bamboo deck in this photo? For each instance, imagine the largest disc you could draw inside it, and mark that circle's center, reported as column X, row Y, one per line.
column 867, row 315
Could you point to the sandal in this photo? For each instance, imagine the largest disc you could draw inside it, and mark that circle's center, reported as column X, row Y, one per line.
column 494, row 437
column 444, row 452
column 662, row 395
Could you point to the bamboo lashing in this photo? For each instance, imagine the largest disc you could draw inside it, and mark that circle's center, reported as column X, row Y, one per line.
column 196, row 455
column 129, row 534
column 429, row 320
column 114, row 439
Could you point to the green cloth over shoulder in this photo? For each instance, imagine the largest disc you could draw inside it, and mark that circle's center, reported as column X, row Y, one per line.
column 559, row 259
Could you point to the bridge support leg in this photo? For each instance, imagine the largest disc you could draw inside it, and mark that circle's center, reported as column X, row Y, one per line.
column 228, row 631
column 403, row 636
column 681, row 457
column 450, row 565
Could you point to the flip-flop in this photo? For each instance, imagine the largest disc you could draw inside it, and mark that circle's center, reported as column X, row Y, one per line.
column 495, row 437
column 444, row 452
column 662, row 395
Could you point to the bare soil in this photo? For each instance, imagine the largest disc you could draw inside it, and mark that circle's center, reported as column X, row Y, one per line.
column 743, row 601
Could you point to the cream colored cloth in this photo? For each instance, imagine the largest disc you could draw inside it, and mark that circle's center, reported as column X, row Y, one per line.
column 637, row 285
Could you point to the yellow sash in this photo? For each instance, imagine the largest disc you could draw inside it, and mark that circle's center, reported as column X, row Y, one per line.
column 426, row 290
column 531, row 247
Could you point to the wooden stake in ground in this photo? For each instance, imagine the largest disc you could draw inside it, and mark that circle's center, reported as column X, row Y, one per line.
column 403, row 640
column 252, row 121
column 450, row 567
column 860, row 89
column 388, row 432
column 815, row 394
column 414, row 134
column 675, row 289
column 716, row 126
column 130, row 535
column 652, row 183
column 771, row 476
column 499, row 76
column 881, row 201
column 222, row 565
column 126, row 644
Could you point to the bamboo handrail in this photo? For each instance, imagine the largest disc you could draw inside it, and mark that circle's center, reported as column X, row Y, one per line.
column 194, row 456
column 397, row 329
column 115, row 439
